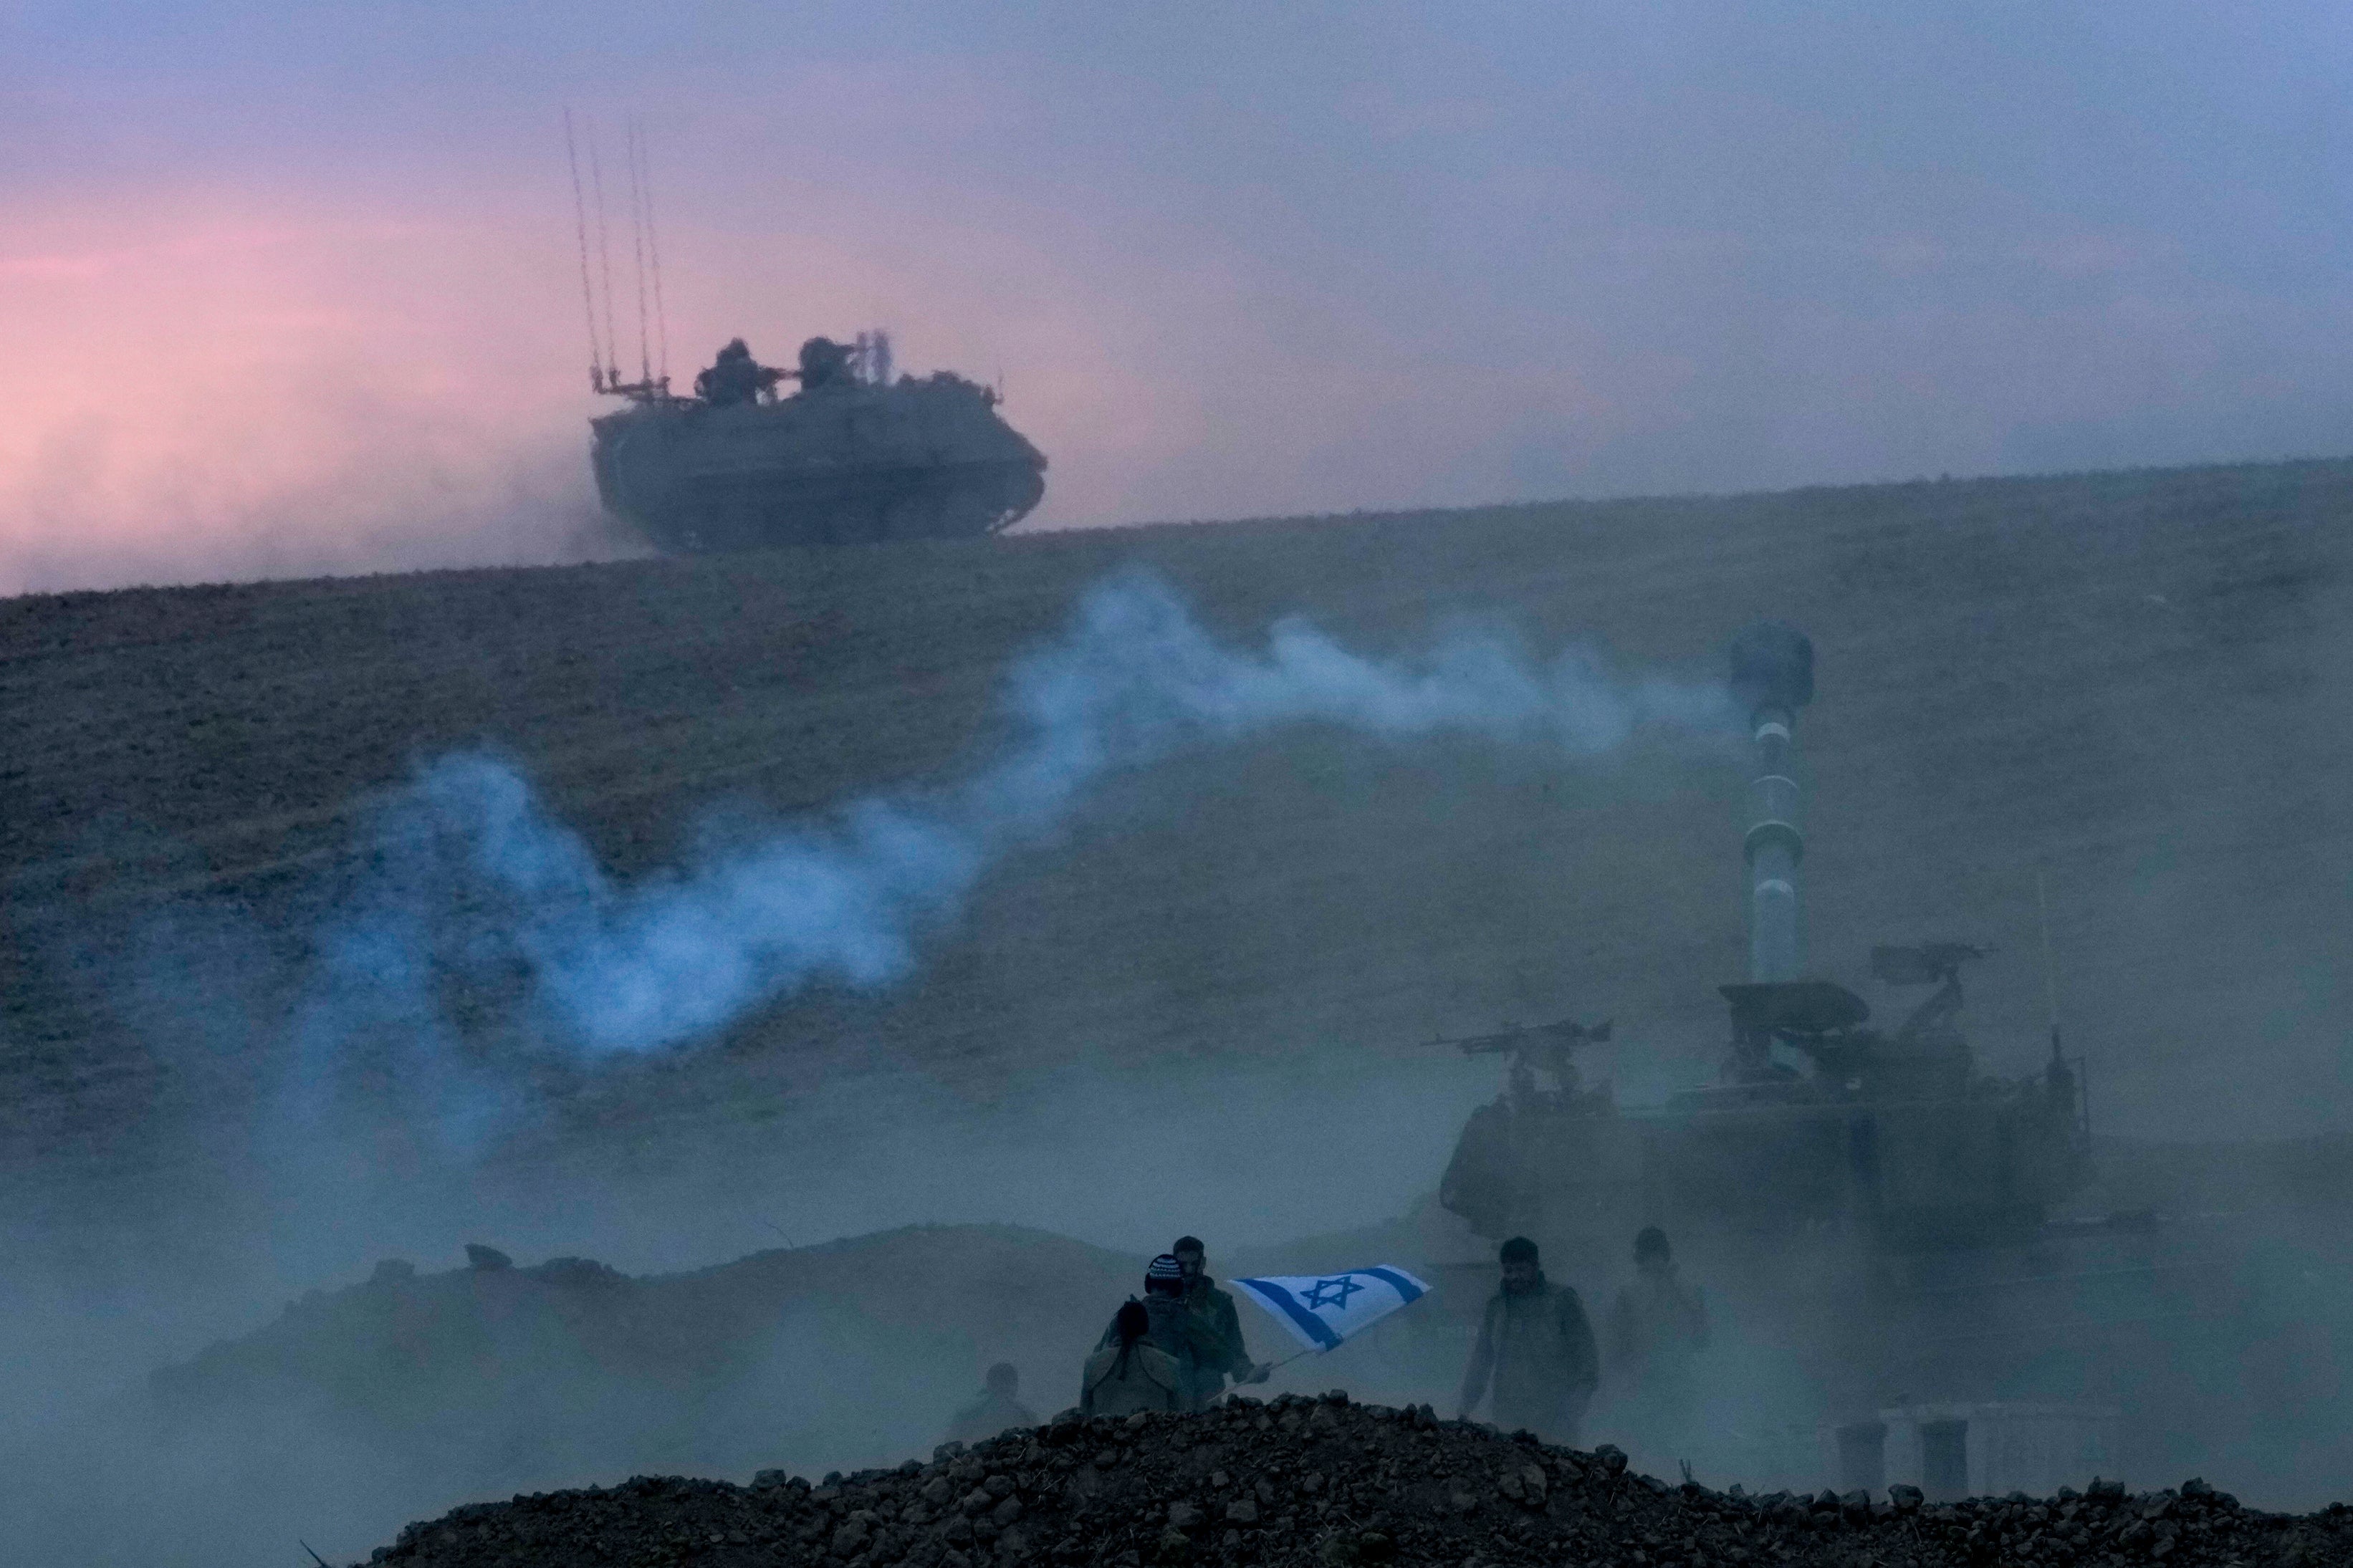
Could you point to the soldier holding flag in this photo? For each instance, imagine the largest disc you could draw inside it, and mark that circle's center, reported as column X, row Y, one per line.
column 1219, row 1327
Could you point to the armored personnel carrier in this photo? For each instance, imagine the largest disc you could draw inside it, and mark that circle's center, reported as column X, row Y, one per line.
column 849, row 457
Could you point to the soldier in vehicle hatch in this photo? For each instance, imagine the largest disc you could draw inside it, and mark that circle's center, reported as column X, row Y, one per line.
column 1223, row 1354
column 1537, row 1344
column 735, row 377
column 825, row 363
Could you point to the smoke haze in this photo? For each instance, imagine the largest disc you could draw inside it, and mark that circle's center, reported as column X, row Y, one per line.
column 473, row 878
column 538, row 1131
column 103, row 1291
column 290, row 290
column 404, row 1116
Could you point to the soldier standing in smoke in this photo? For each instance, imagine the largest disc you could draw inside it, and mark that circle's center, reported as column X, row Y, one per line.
column 1657, row 1327
column 997, row 1409
column 1536, row 1343
column 1220, row 1326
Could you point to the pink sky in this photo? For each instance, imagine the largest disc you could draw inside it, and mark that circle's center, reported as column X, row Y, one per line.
column 312, row 306
column 207, row 382
column 211, row 382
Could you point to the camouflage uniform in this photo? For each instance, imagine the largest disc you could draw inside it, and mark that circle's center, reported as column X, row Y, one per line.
column 1218, row 1325
column 1538, row 1346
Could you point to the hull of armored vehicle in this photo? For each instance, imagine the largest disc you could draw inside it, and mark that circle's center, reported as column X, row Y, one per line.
column 845, row 465
column 1902, row 1176
column 1911, row 1292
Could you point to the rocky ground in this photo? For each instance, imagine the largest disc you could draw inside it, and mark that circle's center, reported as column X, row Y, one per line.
column 1324, row 1480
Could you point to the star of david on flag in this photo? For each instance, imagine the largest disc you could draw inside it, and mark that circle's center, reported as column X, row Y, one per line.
column 1321, row 1310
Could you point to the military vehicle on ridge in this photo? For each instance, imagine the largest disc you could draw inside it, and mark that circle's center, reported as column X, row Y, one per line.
column 850, row 457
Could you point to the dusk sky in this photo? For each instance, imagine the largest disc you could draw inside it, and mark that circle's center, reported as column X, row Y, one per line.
column 293, row 290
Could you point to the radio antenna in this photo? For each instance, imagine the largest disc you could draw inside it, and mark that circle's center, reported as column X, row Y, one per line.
column 2050, row 969
column 653, row 251
column 580, row 226
column 638, row 243
column 604, row 256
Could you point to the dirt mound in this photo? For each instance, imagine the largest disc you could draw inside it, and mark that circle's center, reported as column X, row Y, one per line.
column 1325, row 1481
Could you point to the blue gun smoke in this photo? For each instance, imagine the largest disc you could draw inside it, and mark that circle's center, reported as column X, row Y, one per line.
column 475, row 883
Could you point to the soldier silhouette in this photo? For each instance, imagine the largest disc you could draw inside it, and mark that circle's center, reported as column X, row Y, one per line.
column 736, row 377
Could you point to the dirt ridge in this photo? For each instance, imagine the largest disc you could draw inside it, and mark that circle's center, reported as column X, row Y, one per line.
column 1321, row 1480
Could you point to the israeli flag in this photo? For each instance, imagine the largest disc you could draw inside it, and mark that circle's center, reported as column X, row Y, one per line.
column 1323, row 1310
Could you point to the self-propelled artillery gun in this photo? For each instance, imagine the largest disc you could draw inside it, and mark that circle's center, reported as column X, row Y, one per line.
column 1818, row 1122
column 1869, row 1200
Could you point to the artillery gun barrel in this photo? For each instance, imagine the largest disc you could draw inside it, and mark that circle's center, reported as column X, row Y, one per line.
column 1568, row 1032
column 1775, row 844
column 1487, row 1045
column 1773, row 672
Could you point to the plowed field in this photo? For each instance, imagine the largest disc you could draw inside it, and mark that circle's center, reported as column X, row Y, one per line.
column 2137, row 683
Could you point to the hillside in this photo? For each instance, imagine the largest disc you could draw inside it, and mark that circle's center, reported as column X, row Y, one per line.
column 496, row 1376
column 2136, row 682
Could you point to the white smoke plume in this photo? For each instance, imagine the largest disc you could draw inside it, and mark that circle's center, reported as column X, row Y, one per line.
column 475, row 880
